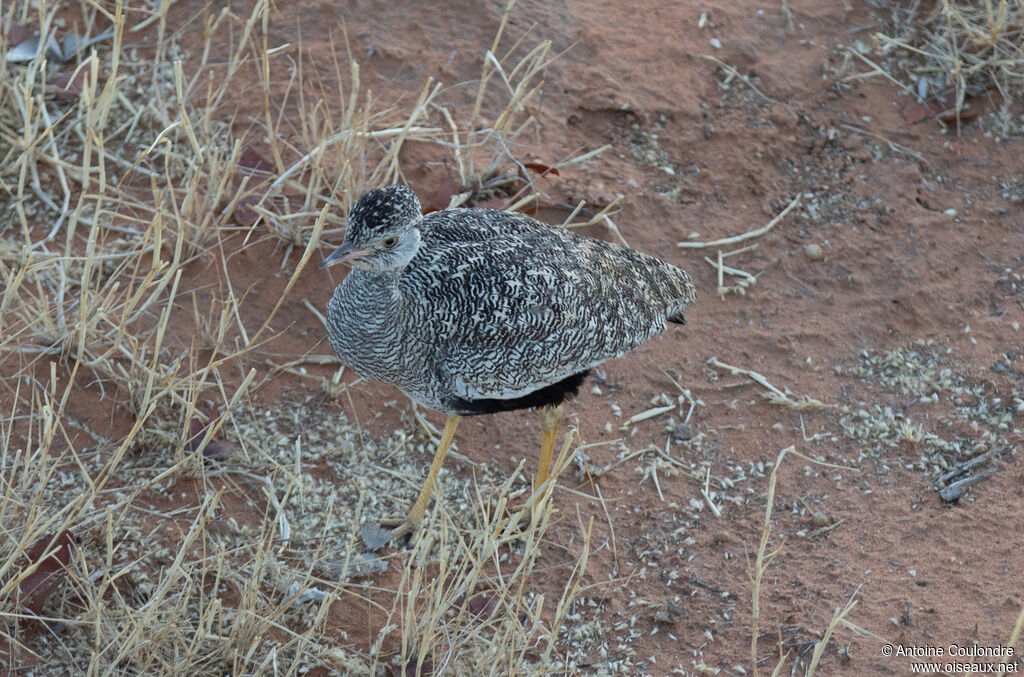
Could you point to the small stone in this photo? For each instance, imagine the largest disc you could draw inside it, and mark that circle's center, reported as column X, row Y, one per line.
column 682, row 432
column 374, row 536
column 820, row 519
column 814, row 252
column 950, row 212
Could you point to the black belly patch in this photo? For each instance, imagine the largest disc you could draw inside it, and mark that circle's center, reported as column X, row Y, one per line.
column 551, row 395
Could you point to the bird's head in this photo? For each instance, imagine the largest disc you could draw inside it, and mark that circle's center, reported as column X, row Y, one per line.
column 382, row 233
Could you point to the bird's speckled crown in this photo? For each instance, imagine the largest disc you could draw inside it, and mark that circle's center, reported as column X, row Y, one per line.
column 382, row 211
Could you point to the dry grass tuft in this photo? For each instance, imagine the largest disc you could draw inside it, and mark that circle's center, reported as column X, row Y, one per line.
column 947, row 52
column 153, row 519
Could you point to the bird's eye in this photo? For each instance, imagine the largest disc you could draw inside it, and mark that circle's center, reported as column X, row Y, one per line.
column 389, row 242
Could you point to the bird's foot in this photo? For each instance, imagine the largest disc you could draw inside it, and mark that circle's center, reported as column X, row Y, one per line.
column 525, row 517
column 528, row 516
column 403, row 529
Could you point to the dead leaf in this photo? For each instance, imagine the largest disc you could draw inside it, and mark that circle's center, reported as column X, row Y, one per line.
column 541, row 168
column 965, row 114
column 916, row 112
column 254, row 162
column 38, row 586
column 245, row 209
column 482, row 606
column 218, row 450
column 74, row 43
column 410, row 669
column 254, row 172
column 943, row 107
column 26, row 50
column 69, row 85
column 14, row 32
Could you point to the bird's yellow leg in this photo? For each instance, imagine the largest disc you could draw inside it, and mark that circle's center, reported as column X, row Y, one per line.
column 411, row 524
column 549, row 419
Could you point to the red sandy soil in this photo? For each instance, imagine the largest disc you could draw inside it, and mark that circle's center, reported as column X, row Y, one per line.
column 691, row 156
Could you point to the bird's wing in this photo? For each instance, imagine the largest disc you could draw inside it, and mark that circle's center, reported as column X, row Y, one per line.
column 508, row 314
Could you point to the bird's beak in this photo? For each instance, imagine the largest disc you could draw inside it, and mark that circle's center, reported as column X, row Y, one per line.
column 343, row 253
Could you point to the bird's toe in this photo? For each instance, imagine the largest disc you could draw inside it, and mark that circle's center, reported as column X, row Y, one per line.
column 403, row 529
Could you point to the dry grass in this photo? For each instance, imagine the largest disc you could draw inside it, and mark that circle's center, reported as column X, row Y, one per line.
column 759, row 567
column 966, row 49
column 124, row 288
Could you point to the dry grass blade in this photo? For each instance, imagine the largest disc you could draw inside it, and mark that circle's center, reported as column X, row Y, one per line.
column 746, row 280
column 763, row 560
column 1018, row 628
column 838, row 618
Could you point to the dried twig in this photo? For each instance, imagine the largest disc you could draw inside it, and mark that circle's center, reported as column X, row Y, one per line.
column 745, row 236
column 775, row 396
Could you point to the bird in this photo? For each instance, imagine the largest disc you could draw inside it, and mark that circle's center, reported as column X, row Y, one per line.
column 474, row 311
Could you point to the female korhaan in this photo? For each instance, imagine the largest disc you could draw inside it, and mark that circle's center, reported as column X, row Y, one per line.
column 475, row 311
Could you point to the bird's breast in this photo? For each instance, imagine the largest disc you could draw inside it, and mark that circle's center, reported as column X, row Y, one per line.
column 364, row 327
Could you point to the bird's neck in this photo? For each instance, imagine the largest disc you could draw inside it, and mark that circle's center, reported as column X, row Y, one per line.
column 363, row 316
column 376, row 291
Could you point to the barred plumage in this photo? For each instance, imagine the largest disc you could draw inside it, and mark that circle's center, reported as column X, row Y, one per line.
column 491, row 305
column 472, row 311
